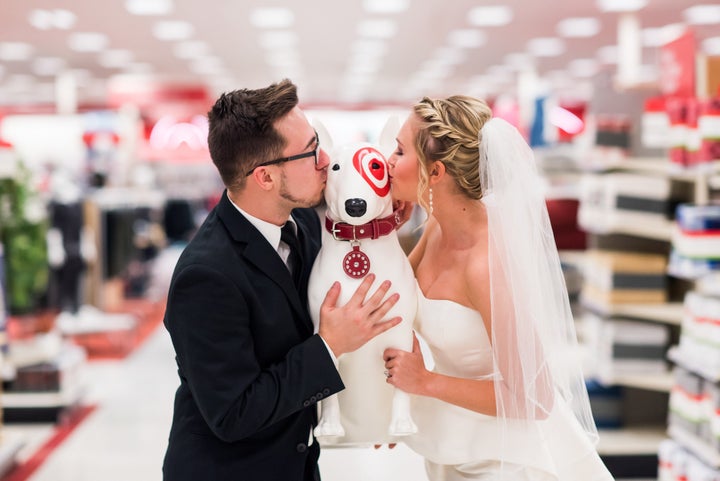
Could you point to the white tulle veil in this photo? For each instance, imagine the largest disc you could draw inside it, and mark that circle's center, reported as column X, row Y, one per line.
column 533, row 332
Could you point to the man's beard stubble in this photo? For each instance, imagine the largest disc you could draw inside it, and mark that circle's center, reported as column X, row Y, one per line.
column 297, row 202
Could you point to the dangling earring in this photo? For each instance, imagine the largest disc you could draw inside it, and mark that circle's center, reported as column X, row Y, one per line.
column 431, row 201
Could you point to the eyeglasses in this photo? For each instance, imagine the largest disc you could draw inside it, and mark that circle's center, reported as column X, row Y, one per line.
column 312, row 153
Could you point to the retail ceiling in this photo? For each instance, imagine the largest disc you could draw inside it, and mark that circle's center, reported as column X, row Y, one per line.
column 338, row 51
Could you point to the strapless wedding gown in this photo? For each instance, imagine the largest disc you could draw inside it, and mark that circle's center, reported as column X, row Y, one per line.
column 555, row 448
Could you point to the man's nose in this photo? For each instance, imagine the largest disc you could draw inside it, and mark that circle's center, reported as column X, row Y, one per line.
column 323, row 159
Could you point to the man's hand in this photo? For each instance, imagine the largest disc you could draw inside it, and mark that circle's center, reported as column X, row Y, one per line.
column 347, row 328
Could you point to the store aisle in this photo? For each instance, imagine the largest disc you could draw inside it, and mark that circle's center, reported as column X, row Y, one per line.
column 125, row 437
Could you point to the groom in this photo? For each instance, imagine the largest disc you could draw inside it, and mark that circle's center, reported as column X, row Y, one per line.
column 251, row 371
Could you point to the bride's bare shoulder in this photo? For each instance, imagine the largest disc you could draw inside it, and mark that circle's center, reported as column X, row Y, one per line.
column 419, row 250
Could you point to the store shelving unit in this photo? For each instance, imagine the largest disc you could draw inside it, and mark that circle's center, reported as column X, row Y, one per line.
column 643, row 441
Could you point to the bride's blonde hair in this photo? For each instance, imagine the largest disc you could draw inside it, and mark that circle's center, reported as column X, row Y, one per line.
column 449, row 132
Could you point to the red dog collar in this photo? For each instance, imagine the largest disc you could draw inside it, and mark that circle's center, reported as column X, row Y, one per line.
column 343, row 231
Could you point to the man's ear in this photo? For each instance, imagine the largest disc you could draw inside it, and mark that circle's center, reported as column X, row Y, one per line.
column 262, row 177
column 326, row 142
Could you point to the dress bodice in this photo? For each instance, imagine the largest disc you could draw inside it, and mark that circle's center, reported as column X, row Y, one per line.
column 456, row 336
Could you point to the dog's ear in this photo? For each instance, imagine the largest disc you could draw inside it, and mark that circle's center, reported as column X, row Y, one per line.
column 326, row 141
column 386, row 141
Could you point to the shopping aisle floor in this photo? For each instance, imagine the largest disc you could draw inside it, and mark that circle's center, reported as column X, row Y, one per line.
column 125, row 438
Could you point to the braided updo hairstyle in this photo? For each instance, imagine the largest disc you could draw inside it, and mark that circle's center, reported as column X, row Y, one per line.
column 449, row 132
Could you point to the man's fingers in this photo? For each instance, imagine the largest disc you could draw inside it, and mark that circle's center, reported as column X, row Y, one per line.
column 384, row 308
column 332, row 296
column 378, row 295
column 358, row 296
column 381, row 327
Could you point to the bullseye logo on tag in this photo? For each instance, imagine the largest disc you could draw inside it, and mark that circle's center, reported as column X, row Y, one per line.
column 373, row 168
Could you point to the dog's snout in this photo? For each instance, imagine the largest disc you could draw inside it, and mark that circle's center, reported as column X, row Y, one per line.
column 355, row 207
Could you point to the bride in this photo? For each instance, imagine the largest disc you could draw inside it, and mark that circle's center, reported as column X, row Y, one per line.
column 506, row 398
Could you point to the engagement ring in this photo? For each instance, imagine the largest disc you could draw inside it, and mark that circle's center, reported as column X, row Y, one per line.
column 387, row 374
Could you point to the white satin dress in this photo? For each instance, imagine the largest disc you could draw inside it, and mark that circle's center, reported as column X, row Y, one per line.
column 459, row 444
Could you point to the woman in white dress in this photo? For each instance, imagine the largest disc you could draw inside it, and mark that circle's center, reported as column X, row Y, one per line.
column 506, row 398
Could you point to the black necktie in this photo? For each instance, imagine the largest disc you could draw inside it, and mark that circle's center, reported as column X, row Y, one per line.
column 287, row 235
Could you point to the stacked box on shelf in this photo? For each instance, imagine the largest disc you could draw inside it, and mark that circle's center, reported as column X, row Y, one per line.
column 688, row 403
column 700, row 333
column 623, row 346
column 615, row 277
column 695, row 241
column 675, row 462
column 616, row 202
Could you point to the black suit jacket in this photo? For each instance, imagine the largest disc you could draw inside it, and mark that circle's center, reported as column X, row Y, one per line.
column 251, row 370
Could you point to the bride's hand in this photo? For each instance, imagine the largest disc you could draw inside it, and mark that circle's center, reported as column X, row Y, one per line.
column 404, row 210
column 406, row 370
column 390, row 445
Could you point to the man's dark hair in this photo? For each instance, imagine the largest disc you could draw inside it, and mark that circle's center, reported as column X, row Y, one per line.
column 241, row 129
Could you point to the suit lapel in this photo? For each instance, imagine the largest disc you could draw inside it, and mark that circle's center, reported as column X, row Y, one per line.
column 258, row 252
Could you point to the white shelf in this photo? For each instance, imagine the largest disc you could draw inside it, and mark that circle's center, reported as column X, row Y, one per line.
column 659, row 166
column 661, row 382
column 68, row 396
column 700, row 448
column 664, row 312
column 630, row 441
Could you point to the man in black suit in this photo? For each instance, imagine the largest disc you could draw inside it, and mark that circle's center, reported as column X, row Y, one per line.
column 251, row 370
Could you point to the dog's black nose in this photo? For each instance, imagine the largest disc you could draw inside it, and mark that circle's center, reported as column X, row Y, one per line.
column 355, row 207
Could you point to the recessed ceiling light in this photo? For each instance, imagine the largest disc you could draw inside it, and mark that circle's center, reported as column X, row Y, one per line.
column 272, row 17
column 149, row 7
column 41, row 19
column 63, row 19
column 621, row 5
column 578, row 27
column 173, row 30
column 702, row 14
column 490, row 16
column 385, row 6
column 15, row 51
column 467, row 38
column 546, row 47
column 379, row 28
column 657, row 37
column 519, row 61
column 87, row 41
column 448, row 56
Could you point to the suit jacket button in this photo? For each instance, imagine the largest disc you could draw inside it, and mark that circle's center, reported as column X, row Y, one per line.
column 319, row 396
column 301, row 448
column 326, row 391
column 313, row 399
column 306, row 403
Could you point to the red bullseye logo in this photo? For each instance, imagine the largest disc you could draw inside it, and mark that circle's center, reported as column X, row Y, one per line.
column 373, row 168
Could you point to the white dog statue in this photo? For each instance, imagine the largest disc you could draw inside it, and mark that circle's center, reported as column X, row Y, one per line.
column 360, row 236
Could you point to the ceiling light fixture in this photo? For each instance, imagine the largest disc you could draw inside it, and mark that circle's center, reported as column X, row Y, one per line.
column 278, row 39
column 272, row 17
column 15, row 51
column 621, row 5
column 578, row 27
column 385, row 6
column 190, row 49
column 149, row 7
column 115, row 58
column 702, row 14
column 490, row 16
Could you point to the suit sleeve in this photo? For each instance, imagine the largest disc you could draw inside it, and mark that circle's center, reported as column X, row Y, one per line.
column 209, row 325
